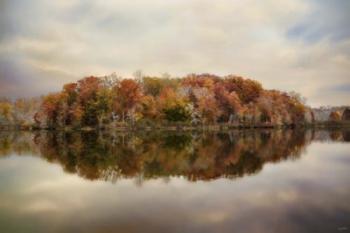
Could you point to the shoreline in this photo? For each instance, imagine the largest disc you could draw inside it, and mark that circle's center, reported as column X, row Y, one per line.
column 179, row 127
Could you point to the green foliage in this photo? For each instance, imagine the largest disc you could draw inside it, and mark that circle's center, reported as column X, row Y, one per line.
column 154, row 85
column 90, row 113
column 177, row 113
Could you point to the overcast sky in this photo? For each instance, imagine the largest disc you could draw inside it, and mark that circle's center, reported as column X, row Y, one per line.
column 301, row 45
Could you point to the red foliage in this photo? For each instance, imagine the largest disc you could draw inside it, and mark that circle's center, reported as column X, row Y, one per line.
column 88, row 88
column 127, row 94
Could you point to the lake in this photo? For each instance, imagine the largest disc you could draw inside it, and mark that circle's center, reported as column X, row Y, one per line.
column 237, row 181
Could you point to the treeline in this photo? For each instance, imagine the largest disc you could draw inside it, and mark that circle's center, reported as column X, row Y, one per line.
column 332, row 114
column 195, row 99
column 18, row 113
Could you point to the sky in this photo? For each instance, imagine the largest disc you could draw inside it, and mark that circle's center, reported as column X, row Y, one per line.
column 290, row 45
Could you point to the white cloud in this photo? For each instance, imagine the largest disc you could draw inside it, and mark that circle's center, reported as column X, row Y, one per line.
column 250, row 38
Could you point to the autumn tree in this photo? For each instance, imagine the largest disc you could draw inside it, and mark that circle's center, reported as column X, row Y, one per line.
column 296, row 108
column 200, row 81
column 228, row 102
column 5, row 112
column 334, row 116
column 148, row 108
column 127, row 94
column 173, row 106
column 208, row 108
column 51, row 109
column 248, row 90
column 88, row 95
column 71, row 93
column 154, row 85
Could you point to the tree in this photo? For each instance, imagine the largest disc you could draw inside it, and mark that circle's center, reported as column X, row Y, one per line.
column 248, row 90
column 70, row 90
column 126, row 96
column 174, row 106
column 177, row 113
column 6, row 112
column 148, row 108
column 88, row 89
column 103, row 105
column 228, row 102
column 297, row 97
column 265, row 105
column 50, row 108
column 334, row 116
column 203, row 80
column 208, row 108
column 154, row 85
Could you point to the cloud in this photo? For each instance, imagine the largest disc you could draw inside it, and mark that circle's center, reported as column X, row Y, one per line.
column 281, row 44
column 332, row 24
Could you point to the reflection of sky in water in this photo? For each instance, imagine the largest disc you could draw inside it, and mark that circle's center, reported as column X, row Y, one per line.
column 310, row 194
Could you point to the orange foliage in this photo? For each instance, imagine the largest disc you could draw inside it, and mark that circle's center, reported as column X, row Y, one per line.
column 334, row 116
column 196, row 98
column 127, row 95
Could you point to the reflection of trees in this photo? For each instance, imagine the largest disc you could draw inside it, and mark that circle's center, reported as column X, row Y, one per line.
column 18, row 142
column 196, row 156
column 332, row 135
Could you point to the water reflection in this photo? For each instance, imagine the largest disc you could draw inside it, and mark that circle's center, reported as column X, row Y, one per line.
column 300, row 183
column 196, row 156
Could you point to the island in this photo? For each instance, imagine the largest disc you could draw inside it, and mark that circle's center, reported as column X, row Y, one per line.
column 196, row 101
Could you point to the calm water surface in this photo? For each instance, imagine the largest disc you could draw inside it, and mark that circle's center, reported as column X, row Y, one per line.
column 240, row 181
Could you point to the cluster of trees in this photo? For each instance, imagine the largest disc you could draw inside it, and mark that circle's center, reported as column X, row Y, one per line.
column 196, row 99
column 340, row 116
column 331, row 114
column 111, row 156
column 19, row 112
